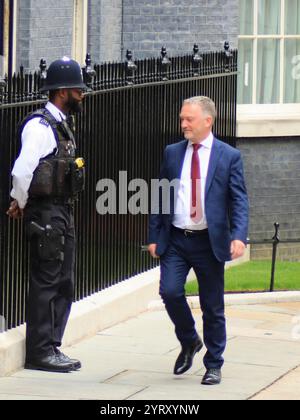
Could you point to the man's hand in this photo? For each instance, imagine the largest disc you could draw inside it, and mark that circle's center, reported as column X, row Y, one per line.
column 14, row 211
column 237, row 249
column 152, row 250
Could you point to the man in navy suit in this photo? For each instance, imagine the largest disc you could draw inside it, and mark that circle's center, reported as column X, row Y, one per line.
column 206, row 225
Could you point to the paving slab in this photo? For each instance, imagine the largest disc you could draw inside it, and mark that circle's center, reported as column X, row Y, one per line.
column 53, row 388
column 286, row 388
column 254, row 377
column 134, row 360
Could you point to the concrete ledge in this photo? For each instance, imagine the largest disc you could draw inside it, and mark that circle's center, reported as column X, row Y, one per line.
column 111, row 306
column 89, row 316
column 261, row 298
column 12, row 350
column 239, row 299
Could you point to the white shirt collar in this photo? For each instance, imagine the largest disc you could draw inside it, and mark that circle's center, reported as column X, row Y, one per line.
column 57, row 114
column 207, row 143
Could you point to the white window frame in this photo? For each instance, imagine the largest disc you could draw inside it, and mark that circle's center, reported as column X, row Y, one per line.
column 15, row 26
column 80, row 22
column 268, row 120
column 6, row 29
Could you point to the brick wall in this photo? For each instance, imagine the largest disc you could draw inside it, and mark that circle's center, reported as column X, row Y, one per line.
column 45, row 30
column 105, row 30
column 272, row 169
column 177, row 24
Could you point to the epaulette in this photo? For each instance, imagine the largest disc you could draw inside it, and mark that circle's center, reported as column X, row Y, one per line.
column 44, row 122
column 45, row 118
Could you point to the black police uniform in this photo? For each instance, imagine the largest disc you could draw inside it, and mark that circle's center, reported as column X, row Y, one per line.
column 49, row 220
column 50, row 225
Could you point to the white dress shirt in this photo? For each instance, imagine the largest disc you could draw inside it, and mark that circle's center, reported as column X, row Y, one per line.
column 182, row 218
column 38, row 141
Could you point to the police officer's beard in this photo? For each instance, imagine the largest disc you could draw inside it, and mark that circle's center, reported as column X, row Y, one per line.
column 74, row 105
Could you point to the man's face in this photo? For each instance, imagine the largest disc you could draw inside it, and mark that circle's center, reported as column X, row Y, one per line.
column 74, row 100
column 195, row 124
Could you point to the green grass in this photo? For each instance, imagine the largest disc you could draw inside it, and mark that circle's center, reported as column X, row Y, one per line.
column 256, row 276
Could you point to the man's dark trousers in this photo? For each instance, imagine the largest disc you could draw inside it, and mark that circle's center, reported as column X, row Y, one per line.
column 184, row 253
column 51, row 287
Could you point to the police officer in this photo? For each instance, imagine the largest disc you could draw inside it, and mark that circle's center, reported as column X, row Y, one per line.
column 47, row 177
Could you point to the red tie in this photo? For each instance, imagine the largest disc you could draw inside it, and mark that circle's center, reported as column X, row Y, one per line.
column 196, row 202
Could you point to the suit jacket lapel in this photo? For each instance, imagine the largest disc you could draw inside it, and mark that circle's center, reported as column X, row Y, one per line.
column 176, row 165
column 179, row 159
column 216, row 153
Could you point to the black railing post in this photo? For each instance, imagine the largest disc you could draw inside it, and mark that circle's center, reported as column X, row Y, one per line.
column 197, row 60
column 228, row 56
column 2, row 87
column 43, row 69
column 131, row 68
column 42, row 74
column 165, row 63
column 88, row 72
column 276, row 241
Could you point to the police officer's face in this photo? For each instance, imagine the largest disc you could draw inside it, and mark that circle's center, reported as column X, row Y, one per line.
column 74, row 100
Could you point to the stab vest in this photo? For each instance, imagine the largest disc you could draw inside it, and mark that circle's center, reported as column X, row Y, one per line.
column 57, row 175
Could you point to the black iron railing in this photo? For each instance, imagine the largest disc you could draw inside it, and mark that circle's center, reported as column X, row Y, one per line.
column 23, row 87
column 275, row 241
column 130, row 114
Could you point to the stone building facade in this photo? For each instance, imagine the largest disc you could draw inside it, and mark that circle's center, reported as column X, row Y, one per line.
column 49, row 29
column 272, row 168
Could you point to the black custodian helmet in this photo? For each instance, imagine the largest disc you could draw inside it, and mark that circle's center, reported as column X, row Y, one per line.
column 63, row 74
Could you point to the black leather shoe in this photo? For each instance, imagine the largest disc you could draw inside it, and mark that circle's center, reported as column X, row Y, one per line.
column 65, row 359
column 212, row 377
column 185, row 358
column 50, row 363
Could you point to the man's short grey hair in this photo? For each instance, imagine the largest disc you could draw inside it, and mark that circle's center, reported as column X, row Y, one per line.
column 208, row 106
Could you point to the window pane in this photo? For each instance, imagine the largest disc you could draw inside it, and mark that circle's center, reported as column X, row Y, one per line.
column 246, row 17
column 269, row 12
column 292, row 71
column 292, row 17
column 268, row 71
column 245, row 81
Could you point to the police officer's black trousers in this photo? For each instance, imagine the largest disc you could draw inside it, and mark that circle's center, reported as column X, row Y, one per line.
column 51, row 287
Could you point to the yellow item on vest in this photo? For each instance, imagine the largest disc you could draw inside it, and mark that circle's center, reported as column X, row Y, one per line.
column 80, row 162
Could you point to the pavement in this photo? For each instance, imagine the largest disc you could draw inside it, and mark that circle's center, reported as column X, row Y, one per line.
column 134, row 360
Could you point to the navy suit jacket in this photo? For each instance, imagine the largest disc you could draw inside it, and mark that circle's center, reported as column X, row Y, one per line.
column 226, row 200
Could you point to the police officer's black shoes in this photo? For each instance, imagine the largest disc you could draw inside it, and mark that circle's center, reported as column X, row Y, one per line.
column 65, row 359
column 212, row 377
column 185, row 359
column 51, row 363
